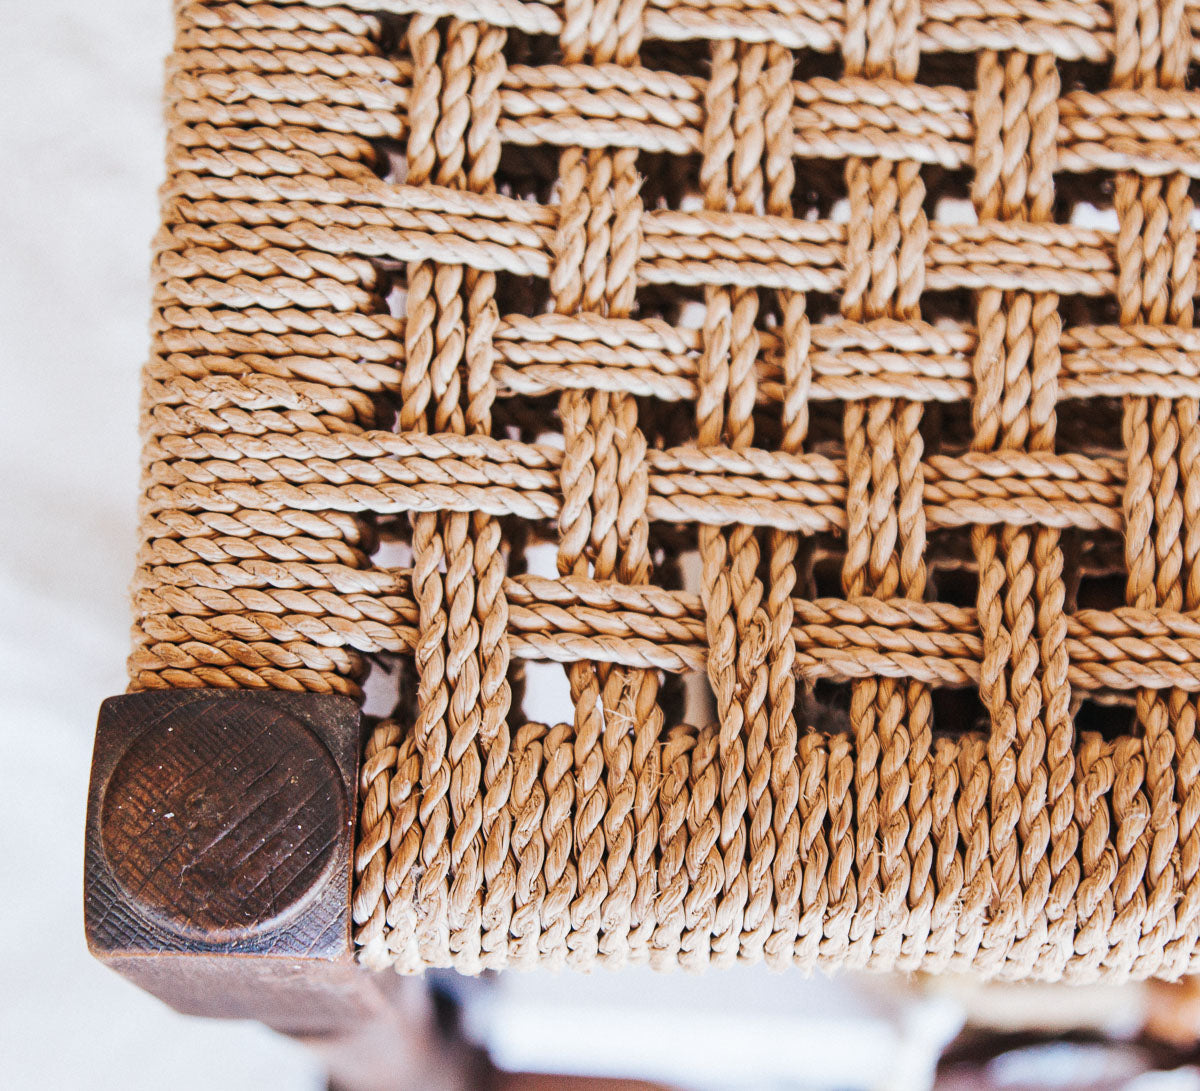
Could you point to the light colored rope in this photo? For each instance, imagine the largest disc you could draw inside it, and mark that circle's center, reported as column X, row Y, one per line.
column 456, row 278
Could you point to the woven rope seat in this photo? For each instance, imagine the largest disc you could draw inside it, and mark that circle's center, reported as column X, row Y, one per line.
column 809, row 390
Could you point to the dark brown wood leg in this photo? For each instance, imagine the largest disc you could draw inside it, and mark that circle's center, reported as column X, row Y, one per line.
column 218, row 872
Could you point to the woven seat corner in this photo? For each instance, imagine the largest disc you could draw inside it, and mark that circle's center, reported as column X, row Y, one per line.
column 808, row 394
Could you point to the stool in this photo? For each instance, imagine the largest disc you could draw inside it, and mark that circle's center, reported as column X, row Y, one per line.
column 806, row 395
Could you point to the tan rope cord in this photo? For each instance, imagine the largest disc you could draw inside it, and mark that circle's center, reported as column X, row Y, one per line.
column 801, row 293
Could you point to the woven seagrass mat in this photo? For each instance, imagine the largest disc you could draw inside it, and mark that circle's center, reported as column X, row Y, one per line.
column 840, row 355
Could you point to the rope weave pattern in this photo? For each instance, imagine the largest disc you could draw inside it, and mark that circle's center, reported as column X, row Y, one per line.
column 799, row 289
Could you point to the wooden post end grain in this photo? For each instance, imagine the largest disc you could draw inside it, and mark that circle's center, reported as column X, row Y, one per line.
column 218, row 859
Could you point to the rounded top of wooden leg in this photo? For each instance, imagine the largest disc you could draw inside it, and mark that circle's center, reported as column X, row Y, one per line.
column 222, row 818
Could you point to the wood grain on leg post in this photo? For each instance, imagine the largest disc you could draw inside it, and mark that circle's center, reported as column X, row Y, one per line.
column 218, row 872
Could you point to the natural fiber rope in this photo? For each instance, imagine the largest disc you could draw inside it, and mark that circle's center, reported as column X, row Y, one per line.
column 798, row 287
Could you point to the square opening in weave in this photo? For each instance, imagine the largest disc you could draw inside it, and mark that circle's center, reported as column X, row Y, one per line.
column 824, row 706
column 1111, row 718
column 958, row 711
column 953, row 573
column 682, row 308
column 946, row 427
column 542, row 693
column 1090, row 426
column 1081, row 74
column 1097, row 559
column 938, row 69
column 826, row 559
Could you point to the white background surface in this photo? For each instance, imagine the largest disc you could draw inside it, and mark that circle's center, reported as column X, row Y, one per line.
column 80, row 162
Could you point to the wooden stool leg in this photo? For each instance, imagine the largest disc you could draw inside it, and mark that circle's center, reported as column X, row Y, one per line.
column 400, row 1047
column 218, row 875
